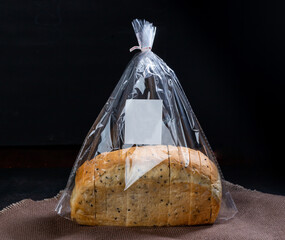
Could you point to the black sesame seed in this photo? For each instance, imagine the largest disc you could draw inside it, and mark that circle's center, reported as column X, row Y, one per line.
column 120, row 183
column 129, row 209
column 161, row 169
column 115, row 218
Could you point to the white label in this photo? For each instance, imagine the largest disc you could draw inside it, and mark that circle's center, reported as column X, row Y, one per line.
column 143, row 121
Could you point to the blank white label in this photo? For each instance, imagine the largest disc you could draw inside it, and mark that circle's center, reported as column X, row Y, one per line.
column 143, row 121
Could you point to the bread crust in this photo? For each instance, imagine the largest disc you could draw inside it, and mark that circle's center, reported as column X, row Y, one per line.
column 184, row 188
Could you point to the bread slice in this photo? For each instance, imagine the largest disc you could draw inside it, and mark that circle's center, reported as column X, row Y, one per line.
column 183, row 187
column 180, row 185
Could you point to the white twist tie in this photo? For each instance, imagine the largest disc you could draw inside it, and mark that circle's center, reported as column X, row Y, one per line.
column 139, row 47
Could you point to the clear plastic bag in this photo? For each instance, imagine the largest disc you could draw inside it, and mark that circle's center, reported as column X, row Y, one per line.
column 146, row 160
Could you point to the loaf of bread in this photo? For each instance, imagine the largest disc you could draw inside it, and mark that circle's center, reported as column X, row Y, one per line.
column 183, row 189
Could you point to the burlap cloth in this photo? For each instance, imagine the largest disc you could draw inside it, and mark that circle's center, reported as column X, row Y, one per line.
column 260, row 216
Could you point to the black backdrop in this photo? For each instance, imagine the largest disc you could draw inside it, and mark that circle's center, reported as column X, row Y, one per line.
column 60, row 60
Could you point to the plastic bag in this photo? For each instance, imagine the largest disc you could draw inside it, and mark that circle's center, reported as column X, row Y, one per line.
column 146, row 160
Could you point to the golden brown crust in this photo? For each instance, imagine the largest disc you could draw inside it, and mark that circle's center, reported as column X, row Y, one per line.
column 83, row 199
column 183, row 188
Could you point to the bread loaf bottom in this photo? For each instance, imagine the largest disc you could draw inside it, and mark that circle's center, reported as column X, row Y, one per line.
column 183, row 189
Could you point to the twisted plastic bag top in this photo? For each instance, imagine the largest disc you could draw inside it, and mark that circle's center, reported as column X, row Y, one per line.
column 148, row 107
column 145, row 33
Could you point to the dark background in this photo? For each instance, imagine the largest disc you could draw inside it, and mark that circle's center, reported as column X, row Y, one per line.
column 60, row 60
